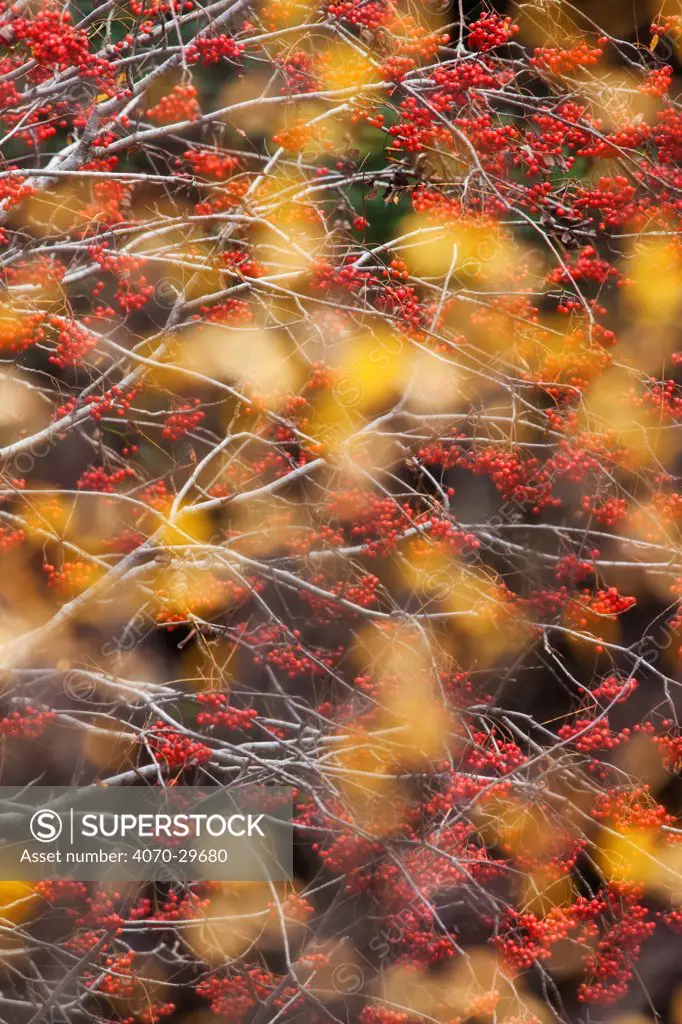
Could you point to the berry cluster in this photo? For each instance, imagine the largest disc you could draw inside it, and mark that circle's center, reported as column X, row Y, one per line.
column 176, row 749
column 180, row 104
column 221, row 713
column 30, row 722
column 183, row 421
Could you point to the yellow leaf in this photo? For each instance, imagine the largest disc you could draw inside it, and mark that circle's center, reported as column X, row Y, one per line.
column 16, row 901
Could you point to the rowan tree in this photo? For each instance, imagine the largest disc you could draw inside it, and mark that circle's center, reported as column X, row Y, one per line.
column 340, row 405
